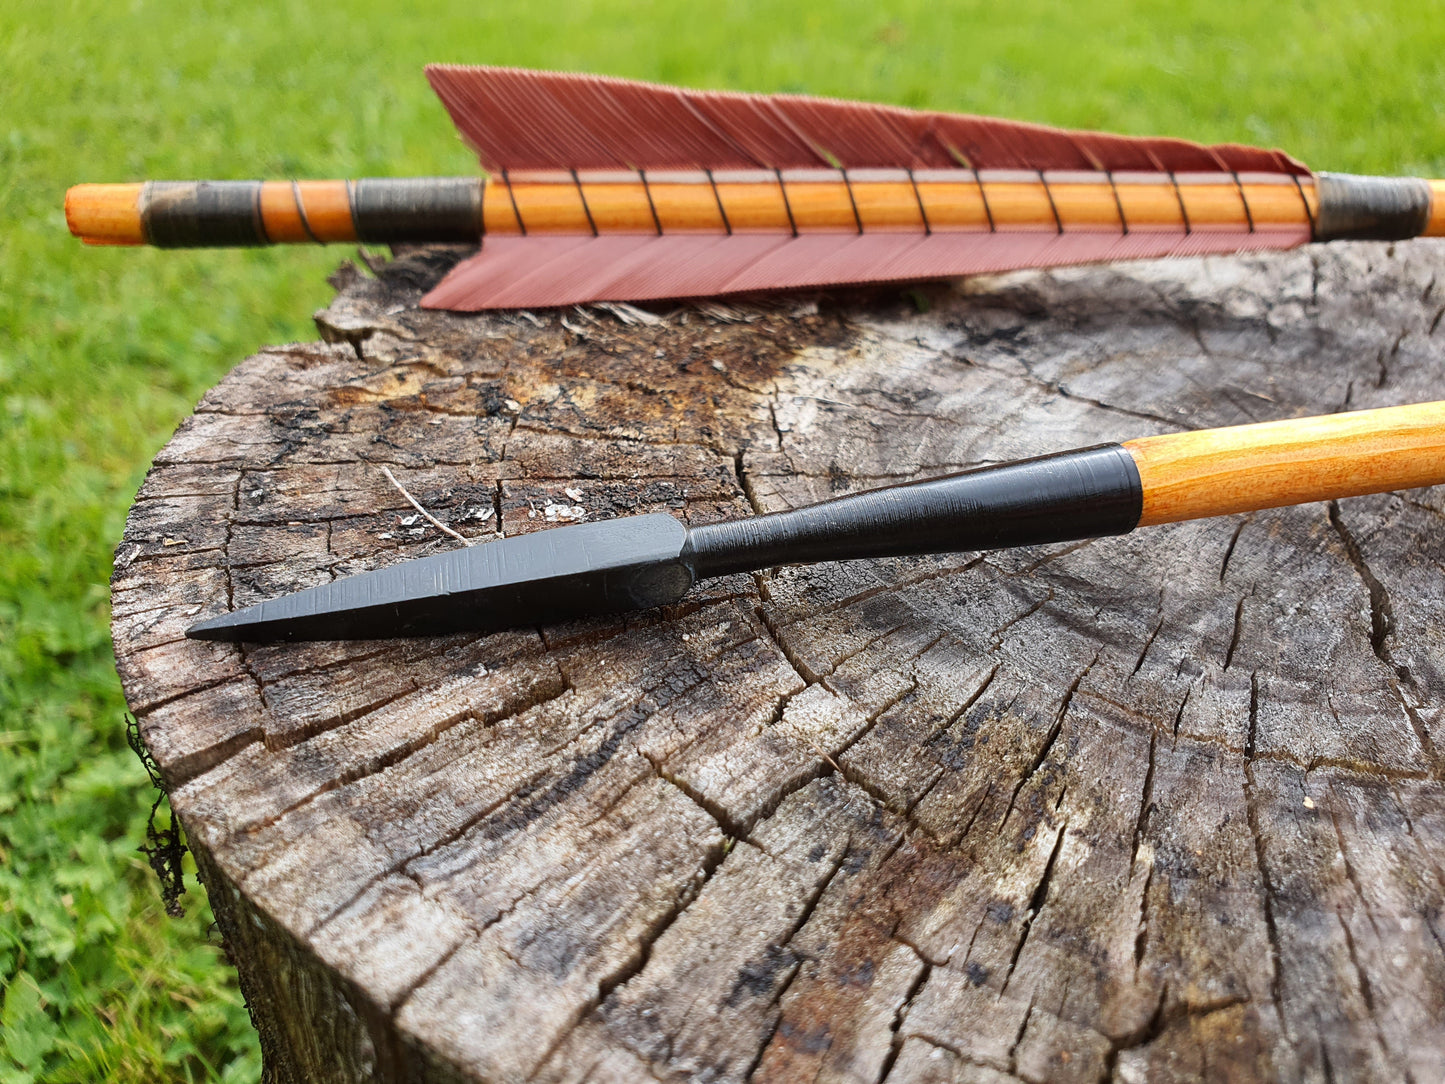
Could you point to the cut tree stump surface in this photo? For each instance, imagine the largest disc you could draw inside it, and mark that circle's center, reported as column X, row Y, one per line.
column 1145, row 808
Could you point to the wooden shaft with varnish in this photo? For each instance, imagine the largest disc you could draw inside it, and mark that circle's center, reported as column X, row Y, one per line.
column 177, row 214
column 858, row 201
column 1215, row 472
column 188, row 214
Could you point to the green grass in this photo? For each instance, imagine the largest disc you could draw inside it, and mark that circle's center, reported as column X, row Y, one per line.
column 103, row 352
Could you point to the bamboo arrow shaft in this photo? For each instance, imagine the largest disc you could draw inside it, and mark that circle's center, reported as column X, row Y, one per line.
column 1214, row 472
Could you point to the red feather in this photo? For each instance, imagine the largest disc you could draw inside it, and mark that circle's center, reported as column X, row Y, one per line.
column 520, row 120
column 522, row 272
column 517, row 119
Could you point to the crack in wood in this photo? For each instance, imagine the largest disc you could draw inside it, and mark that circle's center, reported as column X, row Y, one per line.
column 1244, row 522
column 1251, row 806
column 390, row 759
column 1013, row 1060
column 1382, row 617
column 630, row 968
column 900, row 1015
column 153, row 706
column 1148, row 643
column 729, row 827
column 776, row 995
column 1234, row 635
column 1048, row 743
column 1148, row 724
column 1165, row 1015
column 1361, row 975
column 957, row 1050
column 775, row 633
column 745, row 484
column 1146, row 803
column 1036, row 903
column 1382, row 625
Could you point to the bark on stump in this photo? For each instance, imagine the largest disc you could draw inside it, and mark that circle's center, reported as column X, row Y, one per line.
column 1161, row 807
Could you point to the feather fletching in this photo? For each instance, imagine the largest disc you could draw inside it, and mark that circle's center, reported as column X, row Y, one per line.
column 521, row 121
column 517, row 119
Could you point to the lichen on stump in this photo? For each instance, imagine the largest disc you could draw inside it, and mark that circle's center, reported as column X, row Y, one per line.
column 1155, row 807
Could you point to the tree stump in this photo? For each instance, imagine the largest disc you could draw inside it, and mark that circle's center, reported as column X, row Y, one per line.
column 1160, row 807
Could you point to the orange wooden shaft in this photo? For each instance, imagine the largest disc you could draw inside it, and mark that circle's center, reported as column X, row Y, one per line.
column 820, row 201
column 963, row 202
column 1436, row 226
column 299, row 211
column 303, row 211
column 105, row 214
column 313, row 211
column 1214, row 472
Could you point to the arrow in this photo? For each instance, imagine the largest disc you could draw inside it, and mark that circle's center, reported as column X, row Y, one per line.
column 611, row 190
column 644, row 561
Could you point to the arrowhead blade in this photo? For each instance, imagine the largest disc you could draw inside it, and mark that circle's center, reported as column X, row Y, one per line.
column 550, row 575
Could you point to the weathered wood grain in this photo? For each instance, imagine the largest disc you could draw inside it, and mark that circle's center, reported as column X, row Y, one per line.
column 1161, row 807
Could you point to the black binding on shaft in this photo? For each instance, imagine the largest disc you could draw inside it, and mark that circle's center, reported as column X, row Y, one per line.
column 209, row 214
column 1370, row 208
column 417, row 210
column 202, row 214
column 1054, row 498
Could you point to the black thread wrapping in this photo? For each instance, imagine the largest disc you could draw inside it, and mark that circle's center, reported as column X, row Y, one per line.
column 856, row 216
column 718, row 196
column 202, row 214
column 787, row 205
column 260, row 216
column 1309, row 211
column 927, row 226
column 1248, row 214
column 585, row 209
column 1059, row 222
column 987, row 210
column 416, row 210
column 163, row 848
column 301, row 212
column 1118, row 203
column 647, row 191
column 1370, row 208
column 1183, row 212
column 513, row 197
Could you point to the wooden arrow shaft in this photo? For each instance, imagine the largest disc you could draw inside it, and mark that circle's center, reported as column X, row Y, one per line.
column 858, row 201
column 181, row 214
column 720, row 202
column 1214, row 472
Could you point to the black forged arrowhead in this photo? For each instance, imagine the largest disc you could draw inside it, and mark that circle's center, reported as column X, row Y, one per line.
column 641, row 561
column 532, row 579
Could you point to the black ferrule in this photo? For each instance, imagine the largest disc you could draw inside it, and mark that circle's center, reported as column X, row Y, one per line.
column 202, row 214
column 417, row 210
column 1355, row 208
column 1054, row 498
